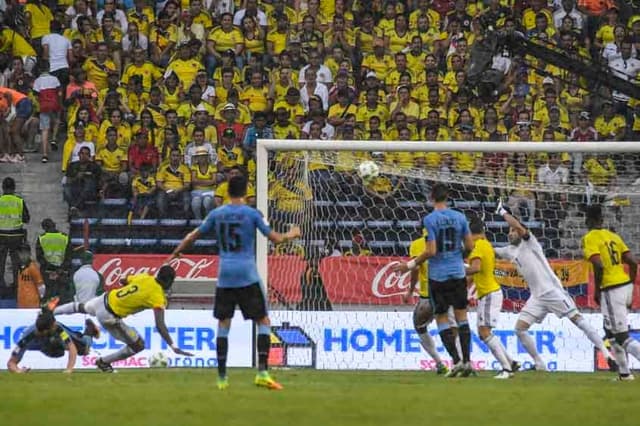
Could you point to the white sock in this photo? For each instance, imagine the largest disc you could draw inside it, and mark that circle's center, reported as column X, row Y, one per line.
column 620, row 356
column 632, row 346
column 66, row 309
column 593, row 335
column 123, row 353
column 429, row 345
column 498, row 351
column 530, row 346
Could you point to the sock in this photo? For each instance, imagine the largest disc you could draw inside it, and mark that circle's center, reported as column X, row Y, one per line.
column 429, row 345
column 264, row 344
column 593, row 335
column 66, row 309
column 449, row 341
column 498, row 351
column 620, row 356
column 530, row 346
column 123, row 353
column 464, row 332
column 632, row 346
column 222, row 348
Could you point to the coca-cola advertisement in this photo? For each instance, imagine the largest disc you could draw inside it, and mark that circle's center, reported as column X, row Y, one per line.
column 349, row 280
column 115, row 267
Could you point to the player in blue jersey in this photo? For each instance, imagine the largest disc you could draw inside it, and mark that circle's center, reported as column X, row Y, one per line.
column 448, row 235
column 234, row 227
column 53, row 339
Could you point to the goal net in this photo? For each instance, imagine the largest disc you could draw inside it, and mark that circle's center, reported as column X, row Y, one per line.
column 354, row 232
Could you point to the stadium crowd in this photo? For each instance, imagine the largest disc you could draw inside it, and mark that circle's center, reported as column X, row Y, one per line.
column 161, row 101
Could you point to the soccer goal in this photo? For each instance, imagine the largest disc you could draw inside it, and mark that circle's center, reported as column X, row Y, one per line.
column 354, row 231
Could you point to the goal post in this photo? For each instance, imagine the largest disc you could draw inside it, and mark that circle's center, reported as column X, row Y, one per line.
column 353, row 233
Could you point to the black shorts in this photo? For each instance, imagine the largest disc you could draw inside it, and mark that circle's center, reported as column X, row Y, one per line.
column 250, row 299
column 452, row 292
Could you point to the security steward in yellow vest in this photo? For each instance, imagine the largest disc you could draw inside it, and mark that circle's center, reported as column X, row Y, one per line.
column 13, row 215
column 53, row 251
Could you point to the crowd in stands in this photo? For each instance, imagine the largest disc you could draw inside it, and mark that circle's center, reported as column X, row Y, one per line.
column 161, row 101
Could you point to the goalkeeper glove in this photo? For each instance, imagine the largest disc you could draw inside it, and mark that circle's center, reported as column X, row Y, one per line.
column 501, row 209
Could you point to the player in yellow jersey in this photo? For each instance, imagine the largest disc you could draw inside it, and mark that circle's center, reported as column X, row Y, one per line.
column 139, row 292
column 609, row 254
column 482, row 264
column 423, row 312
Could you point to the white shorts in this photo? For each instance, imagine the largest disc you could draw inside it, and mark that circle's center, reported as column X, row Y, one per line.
column 423, row 313
column 614, row 305
column 113, row 324
column 489, row 307
column 555, row 301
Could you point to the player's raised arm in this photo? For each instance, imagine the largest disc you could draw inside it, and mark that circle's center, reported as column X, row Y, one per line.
column 511, row 220
column 158, row 314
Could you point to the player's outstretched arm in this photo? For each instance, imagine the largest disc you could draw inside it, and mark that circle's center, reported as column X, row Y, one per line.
column 13, row 367
column 511, row 220
column 185, row 244
column 279, row 238
column 630, row 260
column 73, row 355
column 430, row 251
column 158, row 313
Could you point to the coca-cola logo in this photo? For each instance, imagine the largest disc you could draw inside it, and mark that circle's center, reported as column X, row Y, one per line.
column 116, row 268
column 387, row 283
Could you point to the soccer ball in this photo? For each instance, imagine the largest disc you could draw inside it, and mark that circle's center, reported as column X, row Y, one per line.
column 158, row 360
column 368, row 170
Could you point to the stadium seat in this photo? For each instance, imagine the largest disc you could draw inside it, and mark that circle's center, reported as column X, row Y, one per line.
column 379, row 224
column 383, row 248
column 144, row 228
column 466, row 205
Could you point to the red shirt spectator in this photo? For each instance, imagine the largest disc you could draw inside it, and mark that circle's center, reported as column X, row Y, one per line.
column 142, row 153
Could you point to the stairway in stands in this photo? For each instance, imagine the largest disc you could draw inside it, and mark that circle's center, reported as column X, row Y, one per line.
column 39, row 184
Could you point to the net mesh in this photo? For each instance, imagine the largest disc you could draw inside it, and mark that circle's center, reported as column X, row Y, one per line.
column 353, row 232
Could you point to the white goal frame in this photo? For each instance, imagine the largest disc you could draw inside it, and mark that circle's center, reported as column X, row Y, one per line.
column 266, row 145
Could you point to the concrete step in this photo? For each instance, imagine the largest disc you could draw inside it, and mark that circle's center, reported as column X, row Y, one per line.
column 39, row 185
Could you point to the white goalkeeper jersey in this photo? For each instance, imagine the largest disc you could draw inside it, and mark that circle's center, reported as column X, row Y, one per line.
column 532, row 265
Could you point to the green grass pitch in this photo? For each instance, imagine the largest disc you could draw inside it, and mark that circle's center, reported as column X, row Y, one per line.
column 181, row 397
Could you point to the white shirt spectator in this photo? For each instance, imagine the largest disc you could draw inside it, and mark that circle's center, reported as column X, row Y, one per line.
column 320, row 90
column 626, row 69
column 501, row 63
column 323, row 75
column 128, row 45
column 191, row 149
column 120, row 21
column 209, row 94
column 553, row 176
column 237, row 17
column 79, row 146
column 328, row 131
column 59, row 47
column 46, row 82
column 578, row 18
column 71, row 12
column 611, row 51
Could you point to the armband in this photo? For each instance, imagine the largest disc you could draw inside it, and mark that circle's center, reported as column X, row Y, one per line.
column 502, row 211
